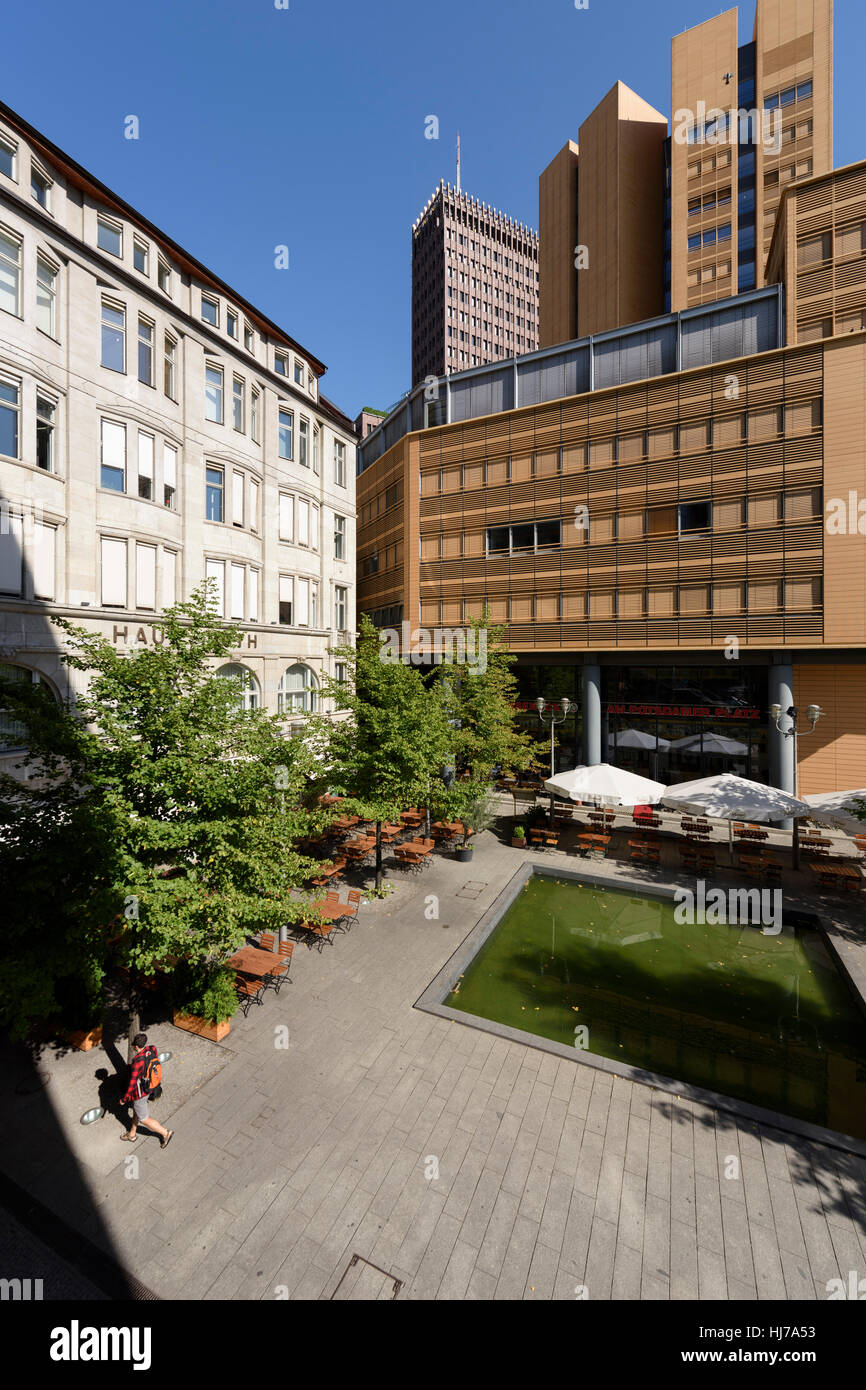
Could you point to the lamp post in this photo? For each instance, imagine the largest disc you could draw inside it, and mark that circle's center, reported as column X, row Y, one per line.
column 541, row 705
column 813, row 714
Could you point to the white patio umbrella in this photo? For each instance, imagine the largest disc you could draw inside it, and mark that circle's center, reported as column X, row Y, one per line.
column 838, row 808
column 637, row 738
column 710, row 743
column 606, row 785
column 731, row 798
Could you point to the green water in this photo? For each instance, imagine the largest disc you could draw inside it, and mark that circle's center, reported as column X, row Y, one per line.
column 767, row 1019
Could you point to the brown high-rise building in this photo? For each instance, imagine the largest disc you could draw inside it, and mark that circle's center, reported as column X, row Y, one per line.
column 668, row 224
column 474, row 285
column 748, row 119
column 598, row 267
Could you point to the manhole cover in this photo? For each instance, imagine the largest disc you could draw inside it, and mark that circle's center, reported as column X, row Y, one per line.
column 362, row 1281
column 32, row 1083
column 471, row 889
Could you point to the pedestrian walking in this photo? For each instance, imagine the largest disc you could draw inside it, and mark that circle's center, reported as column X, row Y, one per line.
column 144, row 1079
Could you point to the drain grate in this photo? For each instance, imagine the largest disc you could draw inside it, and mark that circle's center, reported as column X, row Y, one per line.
column 471, row 889
column 362, row 1281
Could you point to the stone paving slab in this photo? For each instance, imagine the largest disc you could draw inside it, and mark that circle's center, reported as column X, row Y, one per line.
column 468, row 1165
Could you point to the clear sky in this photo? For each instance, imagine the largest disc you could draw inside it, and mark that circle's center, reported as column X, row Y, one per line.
column 305, row 127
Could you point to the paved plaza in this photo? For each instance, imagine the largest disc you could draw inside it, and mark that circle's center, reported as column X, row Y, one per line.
column 455, row 1163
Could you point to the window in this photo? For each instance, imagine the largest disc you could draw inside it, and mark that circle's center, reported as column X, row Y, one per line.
column 299, row 372
column 523, row 538
column 339, row 463
column 725, row 232
column 163, row 277
column 804, row 90
column 298, row 692
column 45, row 412
column 249, row 687
column 254, row 505
column 214, row 489
column 7, row 158
column 210, row 311
column 249, row 340
column 10, row 405
column 113, row 337
column 237, row 504
column 215, row 576
column 140, row 255
column 112, row 456
column 303, row 442
column 788, row 97
column 46, row 295
column 11, row 553
column 10, row 273
column 44, row 555
column 311, row 383
column 694, row 516
column 145, row 352
column 303, row 521
column 339, row 538
column 168, row 366
column 314, row 603
column 40, row 185
column 236, row 592
column 314, row 525
column 145, row 467
column 145, row 576
column 213, row 408
column 340, row 607
column 317, row 449
column 286, row 599
column 253, row 594
column 169, row 475
column 238, row 404
column 231, row 323
column 254, row 415
column 695, row 241
column 286, row 517
column 169, row 577
column 281, row 363
column 340, row 672
column 285, row 434
column 113, row 568
column 709, row 238
column 109, row 236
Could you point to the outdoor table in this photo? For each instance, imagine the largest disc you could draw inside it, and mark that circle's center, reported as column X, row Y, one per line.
column 593, row 841
column 833, row 870
column 390, row 832
column 251, row 960
column 345, row 822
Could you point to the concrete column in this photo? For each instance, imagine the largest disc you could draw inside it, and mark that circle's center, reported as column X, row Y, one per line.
column 591, row 715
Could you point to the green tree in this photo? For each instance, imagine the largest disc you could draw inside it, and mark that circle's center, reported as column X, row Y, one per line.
column 195, row 803
column 393, row 740
column 478, row 698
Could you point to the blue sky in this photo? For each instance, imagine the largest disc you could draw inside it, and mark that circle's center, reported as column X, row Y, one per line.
column 305, row 127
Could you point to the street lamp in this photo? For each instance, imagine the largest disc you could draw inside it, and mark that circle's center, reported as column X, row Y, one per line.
column 541, row 705
column 813, row 714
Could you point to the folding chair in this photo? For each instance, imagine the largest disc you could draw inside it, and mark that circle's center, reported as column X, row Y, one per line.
column 249, row 992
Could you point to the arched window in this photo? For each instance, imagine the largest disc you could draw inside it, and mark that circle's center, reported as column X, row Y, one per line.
column 13, row 734
column 251, row 696
column 299, row 690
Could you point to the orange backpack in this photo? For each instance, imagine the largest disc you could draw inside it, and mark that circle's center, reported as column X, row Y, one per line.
column 151, row 1077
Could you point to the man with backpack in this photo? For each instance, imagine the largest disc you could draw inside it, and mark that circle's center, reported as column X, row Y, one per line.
column 144, row 1078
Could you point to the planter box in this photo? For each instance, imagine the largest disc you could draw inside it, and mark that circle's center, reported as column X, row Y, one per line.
column 84, row 1041
column 517, row 842
column 215, row 1032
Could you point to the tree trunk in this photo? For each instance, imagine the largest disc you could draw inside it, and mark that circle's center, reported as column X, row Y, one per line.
column 134, row 1014
column 378, row 853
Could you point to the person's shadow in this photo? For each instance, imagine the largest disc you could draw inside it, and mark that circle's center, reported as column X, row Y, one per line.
column 111, row 1089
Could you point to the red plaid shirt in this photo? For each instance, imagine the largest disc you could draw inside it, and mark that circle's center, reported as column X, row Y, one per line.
column 133, row 1090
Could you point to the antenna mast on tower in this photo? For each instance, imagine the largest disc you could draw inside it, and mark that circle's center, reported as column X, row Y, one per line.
column 458, row 161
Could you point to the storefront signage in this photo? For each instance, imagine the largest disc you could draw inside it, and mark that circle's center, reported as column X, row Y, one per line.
column 686, row 711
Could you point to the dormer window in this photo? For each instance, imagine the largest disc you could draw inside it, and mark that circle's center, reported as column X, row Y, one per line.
column 109, row 236
column 210, row 311
column 163, row 277
column 8, row 151
column 281, row 363
column 140, row 255
column 299, row 372
column 40, row 185
column 231, row 323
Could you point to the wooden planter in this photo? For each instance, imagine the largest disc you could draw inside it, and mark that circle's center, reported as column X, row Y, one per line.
column 214, row 1032
column 84, row 1041
column 518, row 842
